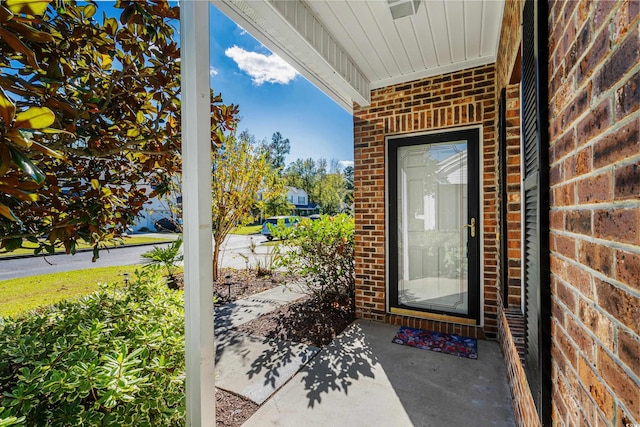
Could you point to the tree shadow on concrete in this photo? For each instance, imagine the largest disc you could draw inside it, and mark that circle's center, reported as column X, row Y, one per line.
column 347, row 359
column 334, row 369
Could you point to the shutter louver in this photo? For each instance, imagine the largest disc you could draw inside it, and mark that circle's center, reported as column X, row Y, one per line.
column 502, row 165
column 535, row 214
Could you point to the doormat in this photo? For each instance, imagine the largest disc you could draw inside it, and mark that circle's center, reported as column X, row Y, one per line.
column 435, row 341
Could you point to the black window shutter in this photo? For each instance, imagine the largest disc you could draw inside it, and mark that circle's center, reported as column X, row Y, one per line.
column 535, row 213
column 502, row 165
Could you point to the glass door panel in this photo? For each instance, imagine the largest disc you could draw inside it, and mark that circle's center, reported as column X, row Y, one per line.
column 433, row 223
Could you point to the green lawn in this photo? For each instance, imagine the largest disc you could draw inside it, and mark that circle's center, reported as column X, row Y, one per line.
column 246, row 230
column 28, row 247
column 21, row 295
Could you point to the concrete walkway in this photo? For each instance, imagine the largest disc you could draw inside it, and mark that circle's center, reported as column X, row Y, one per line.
column 255, row 367
column 361, row 379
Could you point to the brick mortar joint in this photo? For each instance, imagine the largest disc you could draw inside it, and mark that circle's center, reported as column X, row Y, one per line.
column 631, row 118
column 626, row 247
column 596, row 140
column 616, row 125
column 585, row 82
column 586, row 392
column 594, row 305
column 567, row 386
column 593, row 172
column 585, row 329
column 596, row 275
column 578, row 349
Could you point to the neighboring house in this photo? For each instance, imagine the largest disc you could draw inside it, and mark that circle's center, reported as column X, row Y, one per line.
column 156, row 208
column 300, row 199
column 497, row 179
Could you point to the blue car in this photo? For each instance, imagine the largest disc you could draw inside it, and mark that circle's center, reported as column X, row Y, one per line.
column 288, row 221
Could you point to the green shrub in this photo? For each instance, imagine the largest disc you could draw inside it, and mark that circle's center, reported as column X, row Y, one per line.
column 168, row 258
column 114, row 358
column 321, row 253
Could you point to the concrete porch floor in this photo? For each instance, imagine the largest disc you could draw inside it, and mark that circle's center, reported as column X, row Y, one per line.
column 362, row 379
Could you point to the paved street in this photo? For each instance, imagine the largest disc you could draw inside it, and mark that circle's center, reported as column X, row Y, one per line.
column 236, row 253
column 33, row 266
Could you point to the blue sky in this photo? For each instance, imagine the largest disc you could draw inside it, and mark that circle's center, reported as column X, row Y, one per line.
column 274, row 98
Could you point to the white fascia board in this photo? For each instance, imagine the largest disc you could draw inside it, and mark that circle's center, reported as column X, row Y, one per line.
column 430, row 72
column 291, row 30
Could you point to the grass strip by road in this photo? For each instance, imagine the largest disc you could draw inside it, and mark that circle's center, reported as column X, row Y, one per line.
column 247, row 230
column 29, row 247
column 28, row 293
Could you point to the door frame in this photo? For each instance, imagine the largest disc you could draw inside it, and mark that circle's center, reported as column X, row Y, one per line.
column 476, row 310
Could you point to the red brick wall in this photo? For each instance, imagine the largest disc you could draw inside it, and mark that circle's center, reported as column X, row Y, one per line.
column 595, row 211
column 447, row 101
column 511, row 322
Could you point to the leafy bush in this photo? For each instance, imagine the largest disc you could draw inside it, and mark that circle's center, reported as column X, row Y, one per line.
column 168, row 257
column 114, row 358
column 321, row 253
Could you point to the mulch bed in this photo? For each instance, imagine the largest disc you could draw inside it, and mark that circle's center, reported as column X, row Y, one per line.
column 304, row 321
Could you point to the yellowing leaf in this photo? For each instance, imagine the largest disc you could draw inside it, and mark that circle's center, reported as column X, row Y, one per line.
column 51, row 130
column 17, row 138
column 8, row 213
column 111, row 25
column 35, row 118
column 95, row 184
column 46, row 150
column 106, row 61
column 30, row 7
column 17, row 45
column 89, row 10
column 7, row 108
column 140, row 116
column 5, row 159
column 132, row 133
column 22, row 195
column 30, row 33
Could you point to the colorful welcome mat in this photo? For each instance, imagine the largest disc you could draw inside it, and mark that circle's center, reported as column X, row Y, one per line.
column 435, row 341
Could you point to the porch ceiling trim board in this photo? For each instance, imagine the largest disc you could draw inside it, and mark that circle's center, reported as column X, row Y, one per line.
column 196, row 191
column 290, row 29
column 347, row 48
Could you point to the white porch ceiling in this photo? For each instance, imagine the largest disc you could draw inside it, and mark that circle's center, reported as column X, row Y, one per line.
column 347, row 48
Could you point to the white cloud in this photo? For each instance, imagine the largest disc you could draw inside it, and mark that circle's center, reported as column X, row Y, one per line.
column 213, row 71
column 262, row 68
column 345, row 163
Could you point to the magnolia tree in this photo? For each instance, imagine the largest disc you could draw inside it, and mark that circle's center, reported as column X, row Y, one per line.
column 89, row 110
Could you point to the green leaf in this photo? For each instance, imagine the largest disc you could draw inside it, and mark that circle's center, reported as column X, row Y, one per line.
column 7, row 108
column 27, row 166
column 35, row 118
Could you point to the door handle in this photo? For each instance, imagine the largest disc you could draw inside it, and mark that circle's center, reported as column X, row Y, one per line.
column 472, row 226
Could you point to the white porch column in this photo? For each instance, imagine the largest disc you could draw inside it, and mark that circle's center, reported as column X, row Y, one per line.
column 196, row 193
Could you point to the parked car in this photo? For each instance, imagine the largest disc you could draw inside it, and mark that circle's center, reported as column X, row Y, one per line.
column 288, row 221
column 168, row 224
